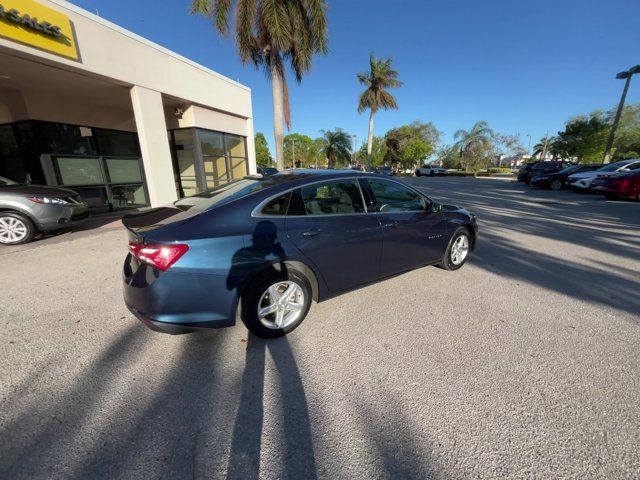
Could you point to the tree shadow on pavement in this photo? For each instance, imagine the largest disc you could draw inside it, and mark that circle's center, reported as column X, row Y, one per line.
column 35, row 440
column 570, row 220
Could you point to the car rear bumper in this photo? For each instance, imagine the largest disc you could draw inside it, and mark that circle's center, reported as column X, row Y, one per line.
column 176, row 302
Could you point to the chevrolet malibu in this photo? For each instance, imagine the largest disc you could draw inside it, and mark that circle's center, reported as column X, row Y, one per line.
column 267, row 246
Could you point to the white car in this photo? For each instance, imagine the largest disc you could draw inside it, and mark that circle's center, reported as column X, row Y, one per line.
column 430, row 170
column 582, row 181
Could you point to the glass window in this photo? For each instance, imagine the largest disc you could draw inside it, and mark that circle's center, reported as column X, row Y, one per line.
column 128, row 196
column 116, row 143
column 634, row 166
column 277, row 206
column 215, row 171
column 79, row 170
column 239, row 167
column 296, row 205
column 331, row 198
column 211, row 143
column 235, row 145
column 122, row 170
column 393, row 197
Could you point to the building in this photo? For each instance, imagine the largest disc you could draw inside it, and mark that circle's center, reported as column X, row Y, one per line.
column 123, row 121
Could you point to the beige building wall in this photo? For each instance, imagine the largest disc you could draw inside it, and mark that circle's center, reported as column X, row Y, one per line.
column 114, row 62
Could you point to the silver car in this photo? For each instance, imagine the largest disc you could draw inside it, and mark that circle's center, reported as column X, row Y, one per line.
column 29, row 210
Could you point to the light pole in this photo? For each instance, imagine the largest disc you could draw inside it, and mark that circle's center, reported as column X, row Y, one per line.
column 612, row 134
column 293, row 153
column 529, row 147
column 355, row 146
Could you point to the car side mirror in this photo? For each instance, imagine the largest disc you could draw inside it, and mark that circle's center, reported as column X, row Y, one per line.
column 434, row 207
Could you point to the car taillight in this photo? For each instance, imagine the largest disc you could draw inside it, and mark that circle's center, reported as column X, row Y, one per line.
column 157, row 255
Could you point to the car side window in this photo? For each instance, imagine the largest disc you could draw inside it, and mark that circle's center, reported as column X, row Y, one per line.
column 332, row 198
column 633, row 166
column 277, row 206
column 393, row 197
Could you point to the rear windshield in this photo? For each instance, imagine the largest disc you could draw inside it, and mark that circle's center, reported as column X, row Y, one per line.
column 222, row 194
column 612, row 167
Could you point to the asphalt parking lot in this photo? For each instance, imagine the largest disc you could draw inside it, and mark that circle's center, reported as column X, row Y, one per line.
column 523, row 364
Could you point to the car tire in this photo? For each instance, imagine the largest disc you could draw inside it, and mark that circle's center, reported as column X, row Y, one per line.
column 258, row 296
column 448, row 262
column 555, row 185
column 431, row 173
column 15, row 228
column 417, row 173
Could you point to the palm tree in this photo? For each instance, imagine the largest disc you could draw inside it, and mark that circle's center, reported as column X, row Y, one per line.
column 268, row 33
column 470, row 143
column 378, row 79
column 337, row 145
column 543, row 146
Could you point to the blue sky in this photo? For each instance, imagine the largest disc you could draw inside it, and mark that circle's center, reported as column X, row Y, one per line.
column 525, row 67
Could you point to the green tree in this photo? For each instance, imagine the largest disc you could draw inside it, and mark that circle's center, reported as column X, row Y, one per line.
column 584, row 137
column 475, row 146
column 378, row 151
column 378, row 80
column 409, row 144
column 627, row 141
column 268, row 33
column 336, row 146
column 414, row 151
column 543, row 147
column 263, row 155
column 298, row 148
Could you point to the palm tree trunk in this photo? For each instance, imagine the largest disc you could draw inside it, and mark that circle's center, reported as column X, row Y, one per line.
column 278, row 115
column 370, row 139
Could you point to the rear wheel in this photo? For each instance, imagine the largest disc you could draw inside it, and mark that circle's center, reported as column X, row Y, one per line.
column 276, row 303
column 555, row 185
column 15, row 229
column 417, row 173
column 458, row 250
column 431, row 173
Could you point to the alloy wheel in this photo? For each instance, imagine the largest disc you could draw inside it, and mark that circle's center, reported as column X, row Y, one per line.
column 281, row 305
column 556, row 185
column 459, row 250
column 12, row 230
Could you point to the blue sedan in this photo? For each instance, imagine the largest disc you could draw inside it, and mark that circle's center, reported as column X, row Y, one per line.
column 273, row 244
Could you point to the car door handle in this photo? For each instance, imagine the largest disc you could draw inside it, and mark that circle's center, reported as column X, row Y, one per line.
column 390, row 225
column 311, row 233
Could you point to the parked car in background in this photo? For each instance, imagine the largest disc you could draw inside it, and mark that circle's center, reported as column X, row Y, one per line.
column 582, row 181
column 385, row 170
column 619, row 185
column 264, row 171
column 272, row 244
column 28, row 210
column 532, row 169
column 555, row 180
column 430, row 170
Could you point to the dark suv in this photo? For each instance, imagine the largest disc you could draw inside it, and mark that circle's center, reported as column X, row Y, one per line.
column 530, row 170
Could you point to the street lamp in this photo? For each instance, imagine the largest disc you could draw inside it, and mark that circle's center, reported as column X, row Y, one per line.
column 620, row 76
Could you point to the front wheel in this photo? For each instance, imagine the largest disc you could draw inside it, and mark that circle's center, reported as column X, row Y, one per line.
column 417, row 173
column 458, row 250
column 276, row 303
column 15, row 229
column 555, row 185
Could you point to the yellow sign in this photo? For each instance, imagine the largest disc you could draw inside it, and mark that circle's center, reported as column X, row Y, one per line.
column 33, row 24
